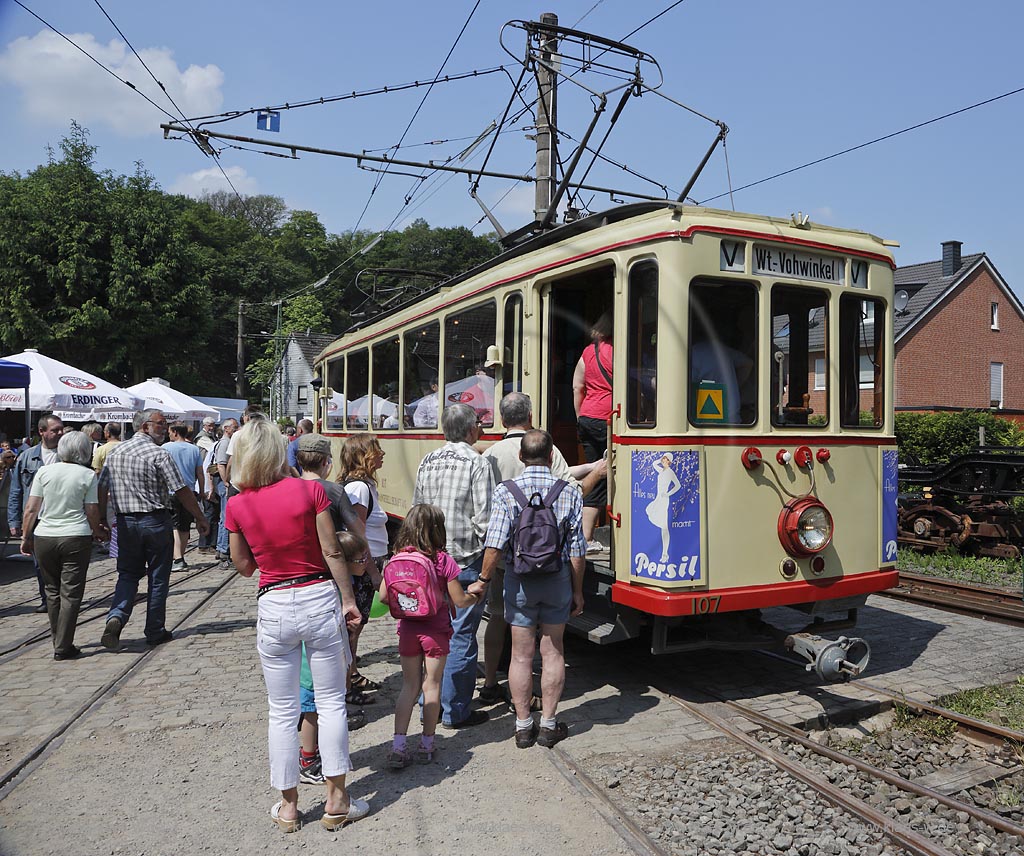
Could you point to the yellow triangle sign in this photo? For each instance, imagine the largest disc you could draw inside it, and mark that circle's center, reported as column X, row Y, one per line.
column 711, row 404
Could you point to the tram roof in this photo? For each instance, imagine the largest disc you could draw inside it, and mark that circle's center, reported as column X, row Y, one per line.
column 568, row 231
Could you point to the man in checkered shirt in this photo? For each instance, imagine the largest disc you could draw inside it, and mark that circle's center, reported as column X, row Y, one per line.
column 542, row 601
column 458, row 480
column 141, row 477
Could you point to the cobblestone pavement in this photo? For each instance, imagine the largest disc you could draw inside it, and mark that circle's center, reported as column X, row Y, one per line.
column 175, row 762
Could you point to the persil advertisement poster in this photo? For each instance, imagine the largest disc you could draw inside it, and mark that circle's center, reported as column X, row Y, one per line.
column 665, row 516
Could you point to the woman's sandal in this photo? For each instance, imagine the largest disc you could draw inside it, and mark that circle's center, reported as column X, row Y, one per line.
column 358, row 698
column 361, row 682
column 282, row 824
column 357, row 810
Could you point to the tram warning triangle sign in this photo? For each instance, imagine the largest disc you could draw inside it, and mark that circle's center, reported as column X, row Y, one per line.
column 710, row 403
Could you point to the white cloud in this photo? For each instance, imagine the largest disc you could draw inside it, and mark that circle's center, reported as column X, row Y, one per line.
column 210, row 180
column 59, row 83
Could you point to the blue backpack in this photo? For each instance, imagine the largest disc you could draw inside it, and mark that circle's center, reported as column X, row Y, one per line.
column 537, row 538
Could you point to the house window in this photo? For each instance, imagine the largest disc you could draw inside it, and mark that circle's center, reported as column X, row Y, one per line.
column 995, row 383
column 303, row 395
column 995, row 315
column 819, row 373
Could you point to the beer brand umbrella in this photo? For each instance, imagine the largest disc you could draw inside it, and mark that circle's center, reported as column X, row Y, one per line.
column 173, row 403
column 68, row 392
column 334, row 413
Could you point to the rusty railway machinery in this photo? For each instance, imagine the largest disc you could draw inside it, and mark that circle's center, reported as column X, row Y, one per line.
column 720, row 713
column 965, row 504
column 992, row 604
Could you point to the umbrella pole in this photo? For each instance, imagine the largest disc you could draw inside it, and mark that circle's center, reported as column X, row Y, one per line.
column 28, row 417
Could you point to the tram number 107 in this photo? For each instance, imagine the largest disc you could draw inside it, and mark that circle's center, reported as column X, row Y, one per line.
column 705, row 605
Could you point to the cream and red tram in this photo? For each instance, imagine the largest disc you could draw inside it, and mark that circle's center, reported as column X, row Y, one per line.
column 751, row 449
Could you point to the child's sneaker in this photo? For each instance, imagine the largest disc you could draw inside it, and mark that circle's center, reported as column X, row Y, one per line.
column 398, row 760
column 311, row 773
column 423, row 755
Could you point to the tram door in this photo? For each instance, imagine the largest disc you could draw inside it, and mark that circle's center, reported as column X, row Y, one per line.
column 571, row 307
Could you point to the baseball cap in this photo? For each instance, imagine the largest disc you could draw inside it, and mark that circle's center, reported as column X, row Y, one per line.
column 314, row 443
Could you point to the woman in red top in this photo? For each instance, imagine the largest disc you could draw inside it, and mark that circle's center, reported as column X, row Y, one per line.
column 592, row 398
column 282, row 527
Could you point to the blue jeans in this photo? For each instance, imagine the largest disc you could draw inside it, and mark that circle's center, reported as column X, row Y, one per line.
column 222, row 535
column 145, row 548
column 459, row 679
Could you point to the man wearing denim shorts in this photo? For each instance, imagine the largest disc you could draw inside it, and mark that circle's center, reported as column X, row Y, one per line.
column 543, row 601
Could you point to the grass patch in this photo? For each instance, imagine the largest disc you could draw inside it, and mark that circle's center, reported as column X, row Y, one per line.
column 934, row 727
column 1001, row 704
column 1005, row 573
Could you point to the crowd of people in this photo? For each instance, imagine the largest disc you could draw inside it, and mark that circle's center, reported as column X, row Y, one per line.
column 262, row 502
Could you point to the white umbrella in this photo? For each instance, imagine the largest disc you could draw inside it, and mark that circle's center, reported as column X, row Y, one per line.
column 71, row 393
column 359, row 409
column 476, row 390
column 334, row 412
column 173, row 403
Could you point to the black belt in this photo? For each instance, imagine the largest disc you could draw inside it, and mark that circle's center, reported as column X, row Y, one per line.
column 143, row 513
column 294, row 581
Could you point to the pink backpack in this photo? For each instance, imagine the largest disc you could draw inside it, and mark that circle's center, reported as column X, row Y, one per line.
column 412, row 585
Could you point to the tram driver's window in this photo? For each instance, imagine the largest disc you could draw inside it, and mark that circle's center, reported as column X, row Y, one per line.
column 861, row 362
column 334, row 408
column 799, row 356
column 467, row 377
column 512, row 365
column 420, row 392
column 384, row 400
column 642, row 344
column 722, row 374
column 357, row 402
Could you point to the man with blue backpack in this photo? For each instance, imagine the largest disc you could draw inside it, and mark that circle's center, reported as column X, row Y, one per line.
column 538, row 524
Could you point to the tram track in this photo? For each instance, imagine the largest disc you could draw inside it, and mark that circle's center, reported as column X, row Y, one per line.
column 12, row 650
column 17, row 772
column 991, row 604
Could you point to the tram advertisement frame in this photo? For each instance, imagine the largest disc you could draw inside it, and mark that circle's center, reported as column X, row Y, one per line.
column 665, row 516
column 890, row 505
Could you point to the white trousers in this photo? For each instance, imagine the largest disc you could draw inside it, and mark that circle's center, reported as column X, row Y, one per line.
column 287, row 618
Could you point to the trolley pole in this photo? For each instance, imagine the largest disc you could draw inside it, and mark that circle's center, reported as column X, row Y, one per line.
column 547, row 124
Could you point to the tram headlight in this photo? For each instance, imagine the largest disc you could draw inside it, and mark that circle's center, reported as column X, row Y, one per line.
column 805, row 527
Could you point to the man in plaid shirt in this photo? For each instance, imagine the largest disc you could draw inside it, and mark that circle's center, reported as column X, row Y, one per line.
column 538, row 600
column 458, row 480
column 140, row 477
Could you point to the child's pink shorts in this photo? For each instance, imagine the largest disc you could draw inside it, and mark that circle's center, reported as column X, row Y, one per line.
column 423, row 637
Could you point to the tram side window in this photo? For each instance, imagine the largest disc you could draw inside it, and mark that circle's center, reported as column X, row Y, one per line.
column 512, row 367
column 419, row 402
column 333, row 411
column 799, row 355
column 357, row 403
column 385, row 384
column 467, row 337
column 642, row 344
column 861, row 362
column 723, row 354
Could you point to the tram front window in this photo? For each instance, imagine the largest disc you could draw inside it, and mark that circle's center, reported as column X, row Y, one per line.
column 799, row 355
column 861, row 362
column 723, row 354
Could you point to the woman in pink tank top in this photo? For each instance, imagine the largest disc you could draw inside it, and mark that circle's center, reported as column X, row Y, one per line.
column 592, row 398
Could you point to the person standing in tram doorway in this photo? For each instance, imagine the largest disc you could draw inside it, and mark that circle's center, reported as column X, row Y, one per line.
column 592, row 399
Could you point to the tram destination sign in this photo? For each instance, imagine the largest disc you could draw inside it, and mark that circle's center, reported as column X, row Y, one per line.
column 775, row 261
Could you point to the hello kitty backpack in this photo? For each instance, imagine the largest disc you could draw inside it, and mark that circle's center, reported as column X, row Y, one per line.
column 412, row 586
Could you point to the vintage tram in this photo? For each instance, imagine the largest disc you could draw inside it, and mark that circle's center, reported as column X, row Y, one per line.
column 751, row 449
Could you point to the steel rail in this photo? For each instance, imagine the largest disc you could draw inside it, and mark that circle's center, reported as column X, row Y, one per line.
column 903, row 784
column 1000, row 605
column 18, row 648
column 631, row 833
column 9, row 780
column 899, row 832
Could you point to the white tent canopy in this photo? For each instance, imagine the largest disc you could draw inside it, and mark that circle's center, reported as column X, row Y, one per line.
column 334, row 412
column 70, row 393
column 174, row 404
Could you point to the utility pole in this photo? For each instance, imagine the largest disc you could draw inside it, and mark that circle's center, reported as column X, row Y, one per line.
column 240, row 384
column 547, row 123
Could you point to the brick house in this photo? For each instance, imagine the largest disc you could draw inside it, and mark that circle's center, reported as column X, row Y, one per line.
column 960, row 337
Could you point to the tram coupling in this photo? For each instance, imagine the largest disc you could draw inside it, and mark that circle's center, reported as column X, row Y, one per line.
column 833, row 661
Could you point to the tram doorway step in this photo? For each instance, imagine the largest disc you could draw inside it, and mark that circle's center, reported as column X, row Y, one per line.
column 602, row 629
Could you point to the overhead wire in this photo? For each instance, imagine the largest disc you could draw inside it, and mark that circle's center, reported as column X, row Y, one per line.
column 860, row 146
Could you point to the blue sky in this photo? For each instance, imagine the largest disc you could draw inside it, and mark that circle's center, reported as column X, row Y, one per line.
column 794, row 81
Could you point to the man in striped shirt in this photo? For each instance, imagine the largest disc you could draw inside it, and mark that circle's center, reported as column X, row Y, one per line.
column 141, row 477
column 541, row 601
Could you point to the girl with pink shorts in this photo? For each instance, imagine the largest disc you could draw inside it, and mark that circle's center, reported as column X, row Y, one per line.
column 423, row 643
